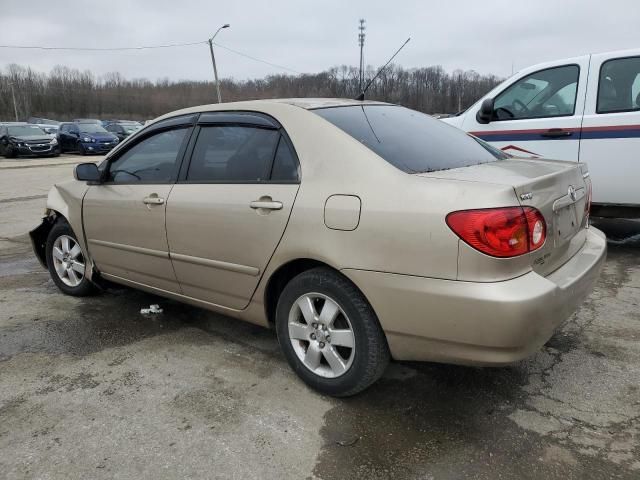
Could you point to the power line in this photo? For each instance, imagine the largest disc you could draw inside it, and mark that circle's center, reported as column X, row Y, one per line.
column 282, row 67
column 148, row 47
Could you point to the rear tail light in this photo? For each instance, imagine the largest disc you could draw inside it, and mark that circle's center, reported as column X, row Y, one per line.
column 500, row 232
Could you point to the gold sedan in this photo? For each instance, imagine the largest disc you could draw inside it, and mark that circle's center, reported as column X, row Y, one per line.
column 360, row 231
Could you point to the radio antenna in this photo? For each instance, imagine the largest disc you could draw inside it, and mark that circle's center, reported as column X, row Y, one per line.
column 361, row 96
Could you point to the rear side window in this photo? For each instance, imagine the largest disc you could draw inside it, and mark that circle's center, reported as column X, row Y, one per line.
column 619, row 85
column 152, row 160
column 232, row 154
column 409, row 140
column 285, row 166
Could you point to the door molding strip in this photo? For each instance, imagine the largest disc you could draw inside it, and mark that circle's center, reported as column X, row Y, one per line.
column 130, row 248
column 232, row 267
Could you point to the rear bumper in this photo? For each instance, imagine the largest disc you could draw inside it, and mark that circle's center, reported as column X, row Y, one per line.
column 474, row 323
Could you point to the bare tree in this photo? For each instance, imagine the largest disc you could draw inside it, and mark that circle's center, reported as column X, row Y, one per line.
column 66, row 93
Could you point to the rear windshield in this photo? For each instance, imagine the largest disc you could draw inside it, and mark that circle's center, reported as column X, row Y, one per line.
column 409, row 140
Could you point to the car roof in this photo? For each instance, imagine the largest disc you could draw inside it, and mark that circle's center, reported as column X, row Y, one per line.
column 259, row 105
column 311, row 103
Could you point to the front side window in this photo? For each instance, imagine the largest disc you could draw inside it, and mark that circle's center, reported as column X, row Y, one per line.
column 232, row 154
column 547, row 93
column 619, row 85
column 152, row 160
column 411, row 141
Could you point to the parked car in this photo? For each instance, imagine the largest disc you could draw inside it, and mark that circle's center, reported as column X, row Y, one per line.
column 360, row 231
column 51, row 130
column 583, row 109
column 85, row 138
column 23, row 139
column 87, row 120
column 43, row 121
column 122, row 129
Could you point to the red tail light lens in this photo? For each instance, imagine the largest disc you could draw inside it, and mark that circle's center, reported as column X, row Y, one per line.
column 500, row 232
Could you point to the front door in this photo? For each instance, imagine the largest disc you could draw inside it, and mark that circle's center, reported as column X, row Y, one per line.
column 538, row 114
column 227, row 215
column 124, row 217
column 611, row 129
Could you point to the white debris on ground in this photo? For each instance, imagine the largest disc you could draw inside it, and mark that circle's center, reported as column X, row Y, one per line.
column 155, row 308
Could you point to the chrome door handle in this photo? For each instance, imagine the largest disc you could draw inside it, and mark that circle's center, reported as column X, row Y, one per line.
column 153, row 200
column 266, row 204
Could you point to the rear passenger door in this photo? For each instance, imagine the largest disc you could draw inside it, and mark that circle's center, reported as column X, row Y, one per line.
column 611, row 129
column 229, row 209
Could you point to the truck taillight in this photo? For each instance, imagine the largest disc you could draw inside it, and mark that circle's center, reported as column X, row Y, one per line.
column 500, row 232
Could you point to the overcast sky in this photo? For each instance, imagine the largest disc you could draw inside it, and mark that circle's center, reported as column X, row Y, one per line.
column 310, row 36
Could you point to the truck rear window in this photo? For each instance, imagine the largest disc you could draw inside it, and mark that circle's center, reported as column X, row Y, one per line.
column 411, row 141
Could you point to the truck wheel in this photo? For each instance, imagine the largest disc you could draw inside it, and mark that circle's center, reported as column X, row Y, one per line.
column 66, row 261
column 329, row 333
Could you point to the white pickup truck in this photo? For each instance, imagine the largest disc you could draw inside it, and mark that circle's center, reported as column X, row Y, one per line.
column 584, row 109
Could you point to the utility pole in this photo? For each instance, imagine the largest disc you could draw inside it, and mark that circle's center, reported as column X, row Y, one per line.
column 361, row 36
column 213, row 61
column 13, row 95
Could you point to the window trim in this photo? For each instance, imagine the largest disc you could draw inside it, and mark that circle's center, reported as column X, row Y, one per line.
column 150, row 133
column 575, row 100
column 598, row 112
column 226, row 121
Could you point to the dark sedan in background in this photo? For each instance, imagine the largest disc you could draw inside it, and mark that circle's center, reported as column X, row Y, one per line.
column 85, row 138
column 123, row 128
column 26, row 140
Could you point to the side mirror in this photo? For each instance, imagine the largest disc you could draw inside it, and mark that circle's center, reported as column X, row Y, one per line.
column 485, row 114
column 87, row 172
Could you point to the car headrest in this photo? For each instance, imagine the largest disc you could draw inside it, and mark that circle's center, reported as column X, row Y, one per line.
column 638, row 100
column 608, row 89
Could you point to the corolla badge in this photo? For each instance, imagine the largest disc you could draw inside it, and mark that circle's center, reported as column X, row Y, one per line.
column 526, row 196
column 572, row 193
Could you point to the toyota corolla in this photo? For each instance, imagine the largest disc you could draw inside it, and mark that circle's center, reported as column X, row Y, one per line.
column 360, row 231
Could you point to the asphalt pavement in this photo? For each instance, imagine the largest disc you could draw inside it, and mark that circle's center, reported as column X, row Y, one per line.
column 91, row 388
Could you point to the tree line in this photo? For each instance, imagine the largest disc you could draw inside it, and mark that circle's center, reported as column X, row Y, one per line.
column 66, row 93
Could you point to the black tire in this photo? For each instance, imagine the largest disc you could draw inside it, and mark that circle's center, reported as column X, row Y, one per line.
column 84, row 287
column 81, row 149
column 9, row 152
column 370, row 353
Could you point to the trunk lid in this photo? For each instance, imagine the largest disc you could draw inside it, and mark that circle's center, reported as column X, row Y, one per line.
column 559, row 190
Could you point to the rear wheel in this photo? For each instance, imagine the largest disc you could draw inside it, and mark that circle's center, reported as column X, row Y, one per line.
column 66, row 261
column 329, row 333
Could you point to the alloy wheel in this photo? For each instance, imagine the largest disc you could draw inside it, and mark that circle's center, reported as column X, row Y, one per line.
column 68, row 260
column 321, row 335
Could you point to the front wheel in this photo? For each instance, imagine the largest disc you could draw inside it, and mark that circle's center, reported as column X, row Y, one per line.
column 81, row 149
column 9, row 152
column 66, row 261
column 329, row 333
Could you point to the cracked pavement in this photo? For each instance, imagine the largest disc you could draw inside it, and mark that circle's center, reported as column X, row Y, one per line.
column 89, row 388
